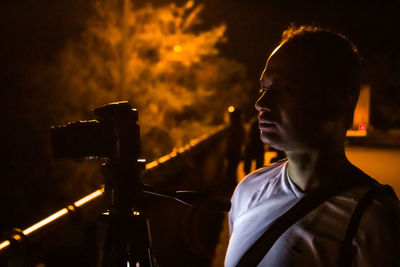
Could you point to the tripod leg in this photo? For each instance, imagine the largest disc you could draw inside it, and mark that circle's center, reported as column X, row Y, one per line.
column 104, row 242
column 139, row 251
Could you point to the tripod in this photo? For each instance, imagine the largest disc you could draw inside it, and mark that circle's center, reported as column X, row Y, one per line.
column 115, row 136
column 126, row 232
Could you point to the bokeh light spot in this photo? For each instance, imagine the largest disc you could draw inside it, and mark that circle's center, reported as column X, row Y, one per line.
column 177, row 48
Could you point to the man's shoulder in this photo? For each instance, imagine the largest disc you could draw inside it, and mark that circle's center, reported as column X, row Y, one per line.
column 253, row 182
column 384, row 205
column 263, row 175
column 249, row 188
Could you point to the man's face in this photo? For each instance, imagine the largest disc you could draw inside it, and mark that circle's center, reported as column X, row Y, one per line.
column 289, row 106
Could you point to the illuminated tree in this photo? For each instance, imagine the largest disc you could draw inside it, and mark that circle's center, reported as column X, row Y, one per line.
column 154, row 58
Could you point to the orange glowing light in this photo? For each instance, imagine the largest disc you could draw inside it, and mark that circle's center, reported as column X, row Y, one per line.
column 189, row 4
column 164, row 158
column 174, row 153
column 4, row 244
column 362, row 110
column 180, row 150
column 16, row 237
column 89, row 197
column 194, row 142
column 355, row 133
column 231, row 109
column 48, row 220
column 177, row 48
column 151, row 165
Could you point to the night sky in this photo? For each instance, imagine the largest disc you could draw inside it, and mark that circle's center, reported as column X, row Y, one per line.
column 34, row 32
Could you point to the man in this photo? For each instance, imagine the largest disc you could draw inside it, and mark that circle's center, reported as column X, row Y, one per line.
column 309, row 89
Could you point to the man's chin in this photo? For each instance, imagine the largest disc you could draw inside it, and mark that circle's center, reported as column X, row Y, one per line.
column 272, row 142
column 277, row 147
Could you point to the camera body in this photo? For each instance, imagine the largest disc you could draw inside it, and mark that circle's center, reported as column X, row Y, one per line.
column 113, row 134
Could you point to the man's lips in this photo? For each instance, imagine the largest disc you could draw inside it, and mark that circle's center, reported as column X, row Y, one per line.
column 264, row 120
column 265, row 123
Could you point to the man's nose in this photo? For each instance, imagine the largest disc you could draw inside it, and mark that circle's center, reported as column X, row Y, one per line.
column 263, row 103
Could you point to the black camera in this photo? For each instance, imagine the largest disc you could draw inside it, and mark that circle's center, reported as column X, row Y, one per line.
column 113, row 134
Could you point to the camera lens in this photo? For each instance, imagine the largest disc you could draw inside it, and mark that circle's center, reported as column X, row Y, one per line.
column 82, row 139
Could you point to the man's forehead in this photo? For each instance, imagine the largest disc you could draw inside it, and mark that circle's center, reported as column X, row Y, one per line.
column 269, row 80
column 269, row 75
column 275, row 72
column 271, row 70
column 283, row 64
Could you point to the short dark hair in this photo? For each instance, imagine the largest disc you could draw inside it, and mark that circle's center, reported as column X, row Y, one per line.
column 333, row 59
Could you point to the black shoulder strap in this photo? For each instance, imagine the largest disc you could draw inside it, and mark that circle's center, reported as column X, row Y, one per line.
column 259, row 249
column 347, row 250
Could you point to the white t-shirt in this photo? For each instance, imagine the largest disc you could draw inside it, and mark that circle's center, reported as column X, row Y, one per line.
column 268, row 193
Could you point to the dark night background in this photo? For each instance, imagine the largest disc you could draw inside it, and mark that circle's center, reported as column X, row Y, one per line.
column 34, row 32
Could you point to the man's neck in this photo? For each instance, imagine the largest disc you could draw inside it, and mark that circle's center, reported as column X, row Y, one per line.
column 315, row 168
